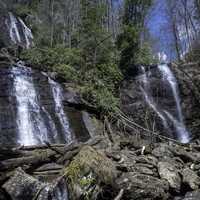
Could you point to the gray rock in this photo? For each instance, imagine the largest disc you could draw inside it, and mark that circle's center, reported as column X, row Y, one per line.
column 22, row 186
column 93, row 126
column 144, row 170
column 163, row 151
column 195, row 195
column 138, row 186
column 171, row 174
column 72, row 96
column 147, row 159
column 191, row 178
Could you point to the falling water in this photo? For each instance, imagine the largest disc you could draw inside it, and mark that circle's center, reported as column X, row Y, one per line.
column 149, row 99
column 31, row 128
column 183, row 134
column 19, row 32
column 168, row 118
column 27, row 34
column 14, row 32
column 59, row 109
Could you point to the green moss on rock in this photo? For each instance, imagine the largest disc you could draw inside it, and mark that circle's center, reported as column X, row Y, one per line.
column 88, row 170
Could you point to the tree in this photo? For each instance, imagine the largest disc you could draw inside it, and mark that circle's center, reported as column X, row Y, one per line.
column 129, row 41
column 95, row 40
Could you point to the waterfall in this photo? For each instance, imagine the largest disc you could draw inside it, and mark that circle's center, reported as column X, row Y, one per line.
column 30, row 124
column 148, row 97
column 182, row 133
column 35, row 124
column 18, row 31
column 14, row 31
column 173, row 122
column 59, row 109
column 27, row 34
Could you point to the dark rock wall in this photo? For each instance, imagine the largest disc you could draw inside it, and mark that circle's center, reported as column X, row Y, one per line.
column 135, row 106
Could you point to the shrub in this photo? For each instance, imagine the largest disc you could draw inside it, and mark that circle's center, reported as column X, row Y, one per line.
column 97, row 84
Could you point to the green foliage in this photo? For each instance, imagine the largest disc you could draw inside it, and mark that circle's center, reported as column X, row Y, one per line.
column 97, row 85
column 129, row 41
column 128, row 44
column 91, row 65
column 22, row 10
column 95, row 41
column 88, row 55
column 53, row 56
column 100, row 97
column 145, row 55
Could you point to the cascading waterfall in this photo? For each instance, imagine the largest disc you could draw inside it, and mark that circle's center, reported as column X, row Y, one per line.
column 34, row 123
column 182, row 133
column 14, row 31
column 19, row 32
column 59, row 109
column 27, row 34
column 31, row 128
column 149, row 99
column 172, row 122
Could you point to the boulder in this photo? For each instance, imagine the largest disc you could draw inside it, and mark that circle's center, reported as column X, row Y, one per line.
column 93, row 125
column 90, row 174
column 163, row 150
column 195, row 195
column 144, row 187
column 169, row 173
column 191, row 179
column 22, row 186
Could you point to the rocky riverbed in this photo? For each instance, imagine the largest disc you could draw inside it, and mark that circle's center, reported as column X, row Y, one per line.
column 128, row 168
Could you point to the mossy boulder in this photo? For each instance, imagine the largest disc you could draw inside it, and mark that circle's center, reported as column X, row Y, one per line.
column 89, row 174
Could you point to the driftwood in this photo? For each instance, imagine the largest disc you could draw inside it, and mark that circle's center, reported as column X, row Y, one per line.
column 35, row 156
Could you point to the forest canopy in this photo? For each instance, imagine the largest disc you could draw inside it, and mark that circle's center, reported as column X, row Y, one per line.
column 92, row 43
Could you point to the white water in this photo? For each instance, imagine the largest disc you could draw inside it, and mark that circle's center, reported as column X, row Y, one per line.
column 145, row 90
column 23, row 37
column 167, row 118
column 182, row 133
column 31, row 130
column 27, row 34
column 51, row 123
column 14, row 32
column 58, row 98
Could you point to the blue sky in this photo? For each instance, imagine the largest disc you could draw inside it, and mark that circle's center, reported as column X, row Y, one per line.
column 158, row 24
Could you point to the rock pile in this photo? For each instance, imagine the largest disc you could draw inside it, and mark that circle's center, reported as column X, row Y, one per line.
column 127, row 170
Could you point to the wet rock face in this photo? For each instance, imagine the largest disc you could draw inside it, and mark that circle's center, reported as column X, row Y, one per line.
column 188, row 77
column 13, row 31
column 152, row 99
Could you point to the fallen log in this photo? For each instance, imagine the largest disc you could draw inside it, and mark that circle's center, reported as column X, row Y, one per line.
column 37, row 159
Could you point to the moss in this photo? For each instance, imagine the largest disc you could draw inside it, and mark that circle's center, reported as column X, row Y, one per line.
column 89, row 160
column 87, row 171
